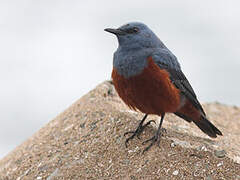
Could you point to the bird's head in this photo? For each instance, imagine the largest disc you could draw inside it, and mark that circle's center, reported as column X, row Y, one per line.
column 135, row 35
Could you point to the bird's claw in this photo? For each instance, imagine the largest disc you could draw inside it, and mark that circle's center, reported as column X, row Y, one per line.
column 128, row 132
column 137, row 132
column 155, row 139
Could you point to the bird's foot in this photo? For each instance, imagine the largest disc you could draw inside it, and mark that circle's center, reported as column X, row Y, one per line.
column 137, row 132
column 155, row 139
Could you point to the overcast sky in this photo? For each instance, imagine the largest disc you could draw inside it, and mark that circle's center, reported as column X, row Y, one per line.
column 54, row 51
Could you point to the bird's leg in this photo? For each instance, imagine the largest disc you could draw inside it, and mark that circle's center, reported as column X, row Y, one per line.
column 156, row 137
column 138, row 131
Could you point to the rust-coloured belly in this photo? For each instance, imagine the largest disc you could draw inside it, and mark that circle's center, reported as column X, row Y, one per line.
column 151, row 91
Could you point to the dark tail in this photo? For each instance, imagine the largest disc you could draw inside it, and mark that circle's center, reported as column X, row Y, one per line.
column 190, row 113
column 204, row 124
column 207, row 127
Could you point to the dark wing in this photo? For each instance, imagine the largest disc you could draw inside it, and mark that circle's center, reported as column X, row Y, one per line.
column 181, row 82
column 166, row 60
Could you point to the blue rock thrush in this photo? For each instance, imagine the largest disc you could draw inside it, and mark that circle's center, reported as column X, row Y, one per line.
column 148, row 77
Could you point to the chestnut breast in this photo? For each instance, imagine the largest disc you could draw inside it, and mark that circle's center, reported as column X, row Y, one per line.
column 151, row 91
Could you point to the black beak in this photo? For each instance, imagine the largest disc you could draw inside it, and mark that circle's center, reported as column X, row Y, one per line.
column 115, row 31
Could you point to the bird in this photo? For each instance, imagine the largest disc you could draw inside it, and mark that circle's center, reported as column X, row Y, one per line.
column 148, row 78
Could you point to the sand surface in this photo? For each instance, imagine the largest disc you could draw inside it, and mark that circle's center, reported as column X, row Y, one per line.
column 86, row 142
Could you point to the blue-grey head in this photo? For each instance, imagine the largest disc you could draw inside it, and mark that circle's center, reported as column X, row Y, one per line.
column 136, row 43
column 135, row 35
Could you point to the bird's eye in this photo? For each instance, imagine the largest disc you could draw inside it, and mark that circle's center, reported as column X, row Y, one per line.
column 132, row 30
column 135, row 29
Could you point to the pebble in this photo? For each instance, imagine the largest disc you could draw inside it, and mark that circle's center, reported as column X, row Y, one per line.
column 126, row 162
column 220, row 153
column 202, row 148
column 175, row 173
column 138, row 170
column 133, row 177
column 181, row 143
column 208, row 178
column 219, row 164
column 54, row 174
column 173, row 144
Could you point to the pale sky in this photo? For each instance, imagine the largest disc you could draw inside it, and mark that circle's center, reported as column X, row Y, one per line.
column 54, row 51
